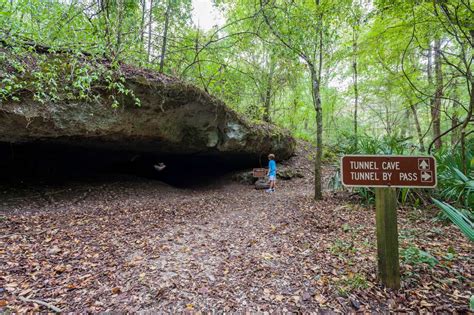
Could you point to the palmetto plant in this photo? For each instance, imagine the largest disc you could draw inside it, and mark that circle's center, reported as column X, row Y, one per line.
column 455, row 186
column 459, row 188
column 458, row 218
column 456, row 189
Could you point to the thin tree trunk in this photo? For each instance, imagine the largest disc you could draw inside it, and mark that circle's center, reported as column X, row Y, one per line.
column 468, row 116
column 165, row 36
column 454, row 122
column 319, row 125
column 387, row 122
column 118, row 43
column 104, row 6
column 429, row 72
column 467, row 121
column 142, row 23
column 429, row 67
column 405, row 124
column 455, row 133
column 316, row 85
column 435, row 109
column 292, row 114
column 418, row 128
column 150, row 19
column 356, row 89
column 268, row 93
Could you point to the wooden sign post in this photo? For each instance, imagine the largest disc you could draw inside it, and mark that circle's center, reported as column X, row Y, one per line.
column 385, row 172
column 387, row 237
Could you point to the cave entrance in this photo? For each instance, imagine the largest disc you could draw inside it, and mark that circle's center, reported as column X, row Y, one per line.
column 53, row 163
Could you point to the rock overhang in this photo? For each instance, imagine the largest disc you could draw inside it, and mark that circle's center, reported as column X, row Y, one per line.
column 174, row 119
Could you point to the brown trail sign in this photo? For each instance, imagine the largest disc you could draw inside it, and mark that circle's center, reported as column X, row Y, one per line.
column 386, row 172
column 259, row 172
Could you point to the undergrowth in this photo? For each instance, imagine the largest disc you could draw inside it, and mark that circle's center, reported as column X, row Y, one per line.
column 55, row 77
column 454, row 195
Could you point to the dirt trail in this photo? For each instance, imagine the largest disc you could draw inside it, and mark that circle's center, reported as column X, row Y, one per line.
column 138, row 245
column 145, row 245
column 236, row 255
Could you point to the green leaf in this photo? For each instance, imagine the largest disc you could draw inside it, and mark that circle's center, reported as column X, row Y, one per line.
column 459, row 219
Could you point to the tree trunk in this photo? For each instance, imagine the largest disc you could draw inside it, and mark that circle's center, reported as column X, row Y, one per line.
column 165, row 36
column 118, row 42
column 142, row 23
column 292, row 114
column 104, row 6
column 319, row 139
column 436, row 107
column 454, row 122
column 454, row 116
column 268, row 93
column 429, row 72
column 316, row 86
column 467, row 122
column 405, row 124
column 356, row 90
column 468, row 119
column 388, row 126
column 429, row 67
column 418, row 128
column 150, row 19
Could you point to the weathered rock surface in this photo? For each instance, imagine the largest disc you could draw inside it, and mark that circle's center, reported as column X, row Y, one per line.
column 284, row 172
column 174, row 118
column 244, row 177
column 287, row 173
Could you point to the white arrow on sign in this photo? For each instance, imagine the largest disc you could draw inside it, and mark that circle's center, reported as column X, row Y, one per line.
column 425, row 176
column 424, row 165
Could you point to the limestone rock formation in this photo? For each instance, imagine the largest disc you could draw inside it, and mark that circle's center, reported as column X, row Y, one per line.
column 174, row 118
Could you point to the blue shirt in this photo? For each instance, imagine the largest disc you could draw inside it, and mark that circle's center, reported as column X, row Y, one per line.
column 272, row 168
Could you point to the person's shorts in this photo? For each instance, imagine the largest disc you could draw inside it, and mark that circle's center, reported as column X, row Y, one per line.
column 271, row 177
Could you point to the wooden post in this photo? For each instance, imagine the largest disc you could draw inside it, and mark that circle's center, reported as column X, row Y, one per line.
column 387, row 237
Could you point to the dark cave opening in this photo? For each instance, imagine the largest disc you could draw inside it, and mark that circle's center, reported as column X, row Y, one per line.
column 53, row 163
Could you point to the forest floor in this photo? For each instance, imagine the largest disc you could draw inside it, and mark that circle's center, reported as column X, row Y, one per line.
column 130, row 244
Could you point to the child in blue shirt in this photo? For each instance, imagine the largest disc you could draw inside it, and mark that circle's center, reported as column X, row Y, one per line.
column 271, row 172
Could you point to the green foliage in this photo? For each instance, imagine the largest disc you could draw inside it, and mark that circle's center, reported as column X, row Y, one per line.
column 455, row 196
column 244, row 62
column 455, row 186
column 367, row 195
column 352, row 282
column 414, row 256
column 62, row 77
column 368, row 144
column 342, row 248
column 460, row 219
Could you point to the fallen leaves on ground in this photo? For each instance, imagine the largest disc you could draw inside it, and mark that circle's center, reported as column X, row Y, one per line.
column 139, row 245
